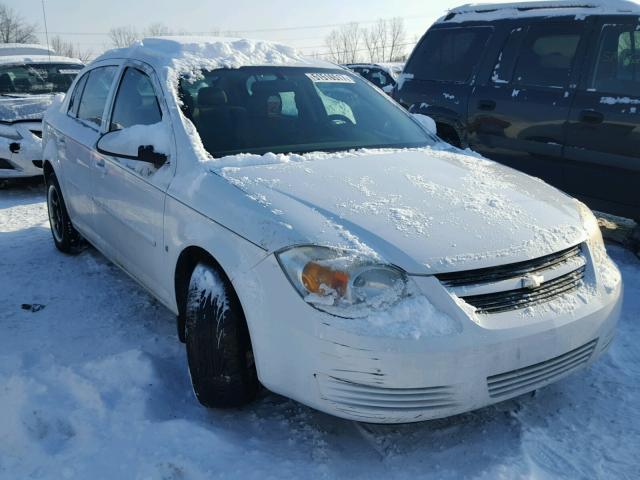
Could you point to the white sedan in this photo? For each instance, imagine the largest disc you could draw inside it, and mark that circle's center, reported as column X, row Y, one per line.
column 312, row 236
column 30, row 77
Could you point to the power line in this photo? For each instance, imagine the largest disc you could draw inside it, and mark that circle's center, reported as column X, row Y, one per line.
column 258, row 30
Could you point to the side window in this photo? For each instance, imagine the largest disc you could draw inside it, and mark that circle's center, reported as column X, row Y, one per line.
column 136, row 102
column 617, row 68
column 449, row 54
column 547, row 55
column 75, row 96
column 506, row 62
column 95, row 94
column 378, row 78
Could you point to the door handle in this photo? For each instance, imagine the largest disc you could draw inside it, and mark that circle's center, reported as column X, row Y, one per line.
column 591, row 116
column 62, row 141
column 100, row 162
column 486, row 105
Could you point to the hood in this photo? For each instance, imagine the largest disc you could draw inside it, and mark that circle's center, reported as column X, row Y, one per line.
column 27, row 107
column 425, row 210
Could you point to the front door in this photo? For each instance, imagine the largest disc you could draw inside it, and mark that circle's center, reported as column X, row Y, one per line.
column 518, row 116
column 130, row 194
column 603, row 142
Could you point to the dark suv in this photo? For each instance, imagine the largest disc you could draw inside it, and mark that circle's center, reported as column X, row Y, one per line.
column 547, row 88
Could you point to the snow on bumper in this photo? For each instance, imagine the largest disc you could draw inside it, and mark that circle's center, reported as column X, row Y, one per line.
column 301, row 354
column 17, row 156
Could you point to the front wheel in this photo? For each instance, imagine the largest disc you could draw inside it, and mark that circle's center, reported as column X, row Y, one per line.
column 219, row 351
column 65, row 237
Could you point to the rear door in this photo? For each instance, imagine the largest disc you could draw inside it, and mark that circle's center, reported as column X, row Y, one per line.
column 518, row 115
column 603, row 142
column 80, row 131
column 438, row 77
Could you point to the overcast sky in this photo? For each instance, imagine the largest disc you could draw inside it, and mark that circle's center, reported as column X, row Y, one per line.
column 86, row 22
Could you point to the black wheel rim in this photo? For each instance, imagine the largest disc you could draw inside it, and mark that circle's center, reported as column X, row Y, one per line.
column 56, row 218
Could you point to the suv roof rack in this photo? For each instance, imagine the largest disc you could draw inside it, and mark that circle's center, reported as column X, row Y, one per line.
column 601, row 6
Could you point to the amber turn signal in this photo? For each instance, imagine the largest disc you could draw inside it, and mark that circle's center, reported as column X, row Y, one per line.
column 315, row 276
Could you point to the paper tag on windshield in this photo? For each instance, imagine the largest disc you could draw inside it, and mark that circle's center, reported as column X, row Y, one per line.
column 330, row 78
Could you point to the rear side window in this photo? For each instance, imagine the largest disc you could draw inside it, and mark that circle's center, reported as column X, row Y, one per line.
column 136, row 102
column 617, row 67
column 75, row 96
column 449, row 54
column 547, row 55
column 96, row 91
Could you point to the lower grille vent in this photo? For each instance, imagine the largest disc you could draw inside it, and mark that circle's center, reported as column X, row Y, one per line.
column 349, row 395
column 529, row 378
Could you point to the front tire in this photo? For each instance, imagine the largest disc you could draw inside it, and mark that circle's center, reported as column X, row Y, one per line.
column 65, row 237
column 219, row 351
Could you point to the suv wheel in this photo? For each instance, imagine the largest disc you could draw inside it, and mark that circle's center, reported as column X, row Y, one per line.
column 65, row 237
column 219, row 352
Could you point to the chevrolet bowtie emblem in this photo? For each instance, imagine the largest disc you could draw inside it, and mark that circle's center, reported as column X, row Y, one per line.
column 532, row 281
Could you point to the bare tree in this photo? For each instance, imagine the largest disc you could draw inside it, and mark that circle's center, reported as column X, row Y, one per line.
column 68, row 49
column 157, row 30
column 123, row 36
column 343, row 43
column 385, row 40
column 14, row 28
column 397, row 39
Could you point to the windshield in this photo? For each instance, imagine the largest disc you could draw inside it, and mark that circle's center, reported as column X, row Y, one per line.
column 293, row 110
column 37, row 78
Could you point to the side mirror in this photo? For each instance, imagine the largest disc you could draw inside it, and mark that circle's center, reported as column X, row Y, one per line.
column 427, row 123
column 143, row 143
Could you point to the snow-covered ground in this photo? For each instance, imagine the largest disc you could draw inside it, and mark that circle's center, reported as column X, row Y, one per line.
column 94, row 385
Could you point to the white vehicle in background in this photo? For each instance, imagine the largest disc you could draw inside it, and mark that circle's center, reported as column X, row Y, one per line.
column 30, row 77
column 382, row 75
column 311, row 235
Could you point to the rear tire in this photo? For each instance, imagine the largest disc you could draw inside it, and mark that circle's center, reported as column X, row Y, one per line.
column 65, row 237
column 219, row 351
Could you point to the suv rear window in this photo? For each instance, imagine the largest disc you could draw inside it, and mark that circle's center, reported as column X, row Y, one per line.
column 448, row 54
column 618, row 64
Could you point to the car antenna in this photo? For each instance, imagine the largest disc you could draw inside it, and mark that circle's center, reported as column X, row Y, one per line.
column 46, row 30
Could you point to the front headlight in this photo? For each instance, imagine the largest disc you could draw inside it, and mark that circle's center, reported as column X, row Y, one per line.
column 342, row 282
column 9, row 132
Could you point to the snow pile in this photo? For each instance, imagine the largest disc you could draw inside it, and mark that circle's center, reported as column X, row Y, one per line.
column 413, row 317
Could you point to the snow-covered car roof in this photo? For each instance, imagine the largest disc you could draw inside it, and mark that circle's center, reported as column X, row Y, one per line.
column 392, row 68
column 7, row 49
column 550, row 8
column 26, row 59
column 183, row 53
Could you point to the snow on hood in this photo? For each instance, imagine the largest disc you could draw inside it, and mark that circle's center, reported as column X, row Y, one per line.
column 425, row 210
column 27, row 107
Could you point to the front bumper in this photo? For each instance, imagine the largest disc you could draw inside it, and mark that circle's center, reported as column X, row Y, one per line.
column 302, row 354
column 22, row 157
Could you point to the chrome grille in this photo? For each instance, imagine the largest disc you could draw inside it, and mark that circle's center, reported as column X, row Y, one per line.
column 529, row 378
column 502, row 272
column 526, row 297
column 504, row 288
column 350, row 395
